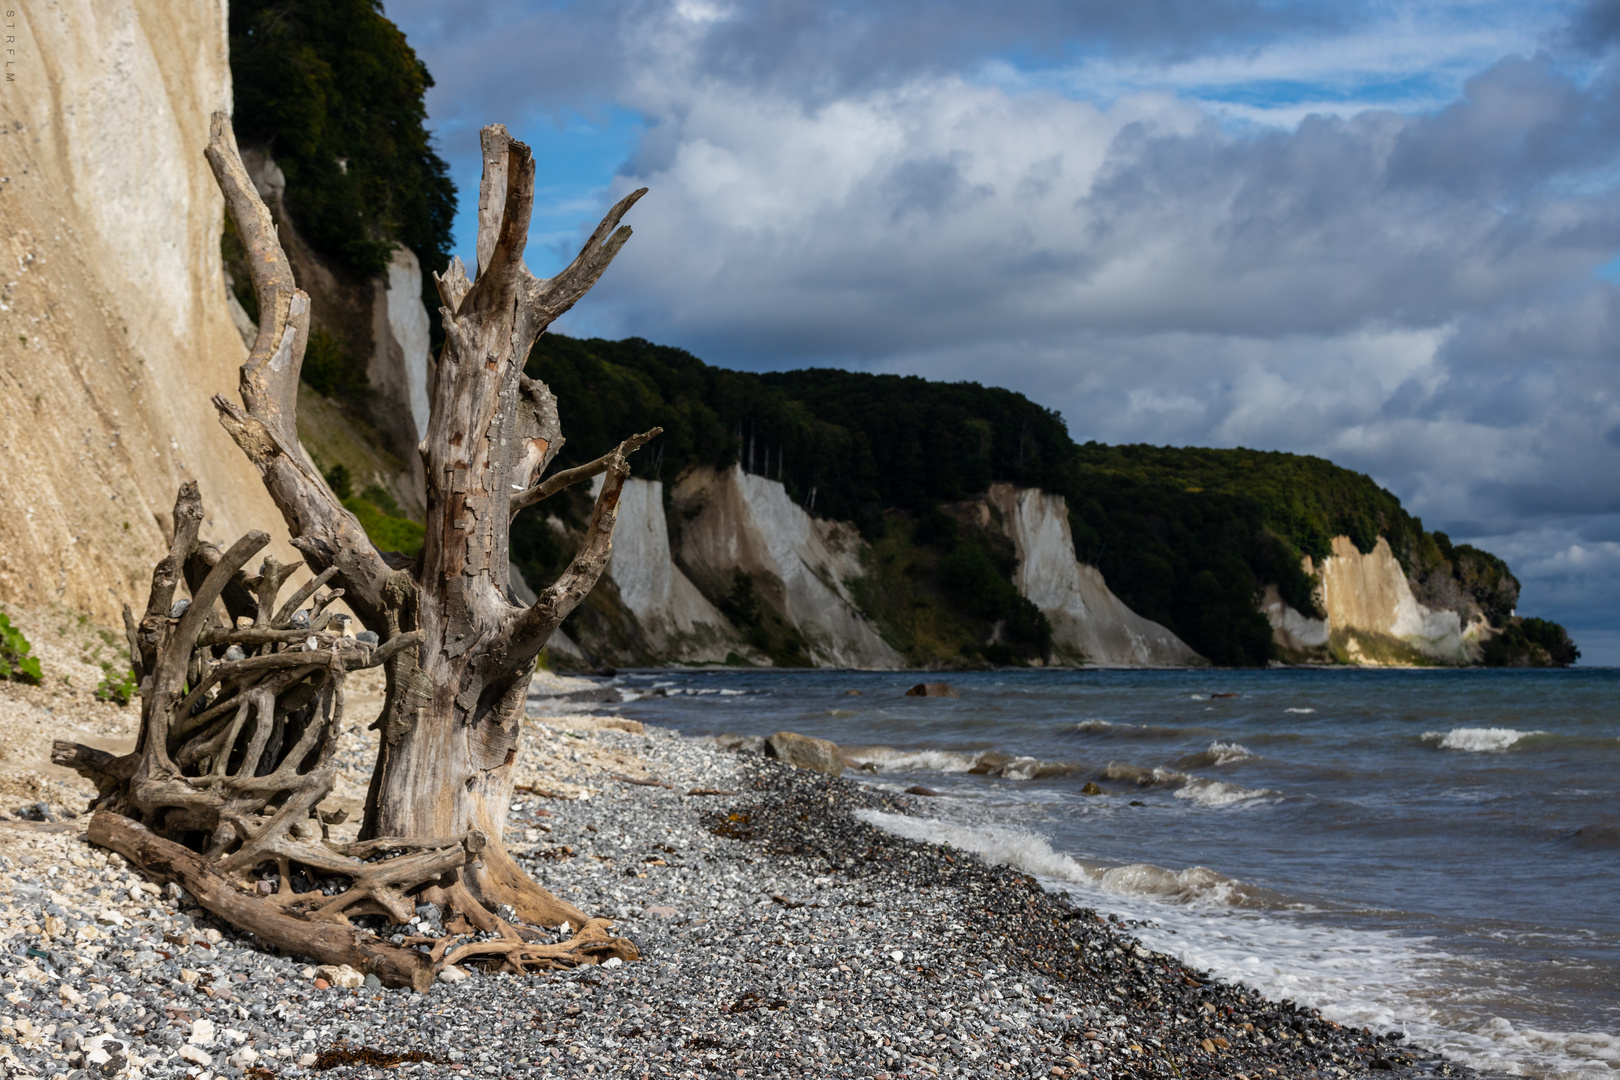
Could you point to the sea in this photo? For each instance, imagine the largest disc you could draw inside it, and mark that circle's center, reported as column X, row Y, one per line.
column 1429, row 851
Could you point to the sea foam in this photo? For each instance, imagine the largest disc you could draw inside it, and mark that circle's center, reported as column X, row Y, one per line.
column 1220, row 793
column 1478, row 740
column 1358, row 976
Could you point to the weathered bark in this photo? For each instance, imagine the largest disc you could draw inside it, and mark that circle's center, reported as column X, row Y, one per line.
column 234, row 754
column 332, row 942
column 451, row 725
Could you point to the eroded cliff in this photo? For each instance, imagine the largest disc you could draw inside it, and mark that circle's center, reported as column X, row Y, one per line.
column 735, row 527
column 114, row 323
column 675, row 621
column 1372, row 616
column 1089, row 623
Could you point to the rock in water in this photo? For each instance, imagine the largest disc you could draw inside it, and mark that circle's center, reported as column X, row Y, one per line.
column 932, row 689
column 804, row 752
column 925, row 792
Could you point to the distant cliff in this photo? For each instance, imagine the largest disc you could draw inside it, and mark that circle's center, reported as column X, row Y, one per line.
column 746, row 576
column 1089, row 623
column 986, row 535
column 1370, row 615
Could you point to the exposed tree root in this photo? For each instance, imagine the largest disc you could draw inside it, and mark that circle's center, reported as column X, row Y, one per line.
column 222, row 794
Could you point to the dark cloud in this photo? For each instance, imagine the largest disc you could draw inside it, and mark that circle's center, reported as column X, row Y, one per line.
column 820, row 49
column 549, row 54
column 1595, row 25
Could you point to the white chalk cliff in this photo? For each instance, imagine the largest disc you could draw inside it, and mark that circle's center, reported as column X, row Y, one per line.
column 114, row 322
column 1089, row 623
column 1368, row 600
column 735, row 522
column 678, row 622
column 411, row 330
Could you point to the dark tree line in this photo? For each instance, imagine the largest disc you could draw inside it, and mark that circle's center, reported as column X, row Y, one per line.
column 1187, row 537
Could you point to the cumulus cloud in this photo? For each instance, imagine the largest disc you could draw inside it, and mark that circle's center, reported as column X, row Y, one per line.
column 924, row 188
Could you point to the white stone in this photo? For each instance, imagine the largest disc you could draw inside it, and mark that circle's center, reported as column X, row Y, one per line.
column 202, row 1031
column 306, row 1060
column 452, row 974
column 197, row 1055
column 98, row 1052
column 244, row 1057
column 612, row 962
column 341, row 975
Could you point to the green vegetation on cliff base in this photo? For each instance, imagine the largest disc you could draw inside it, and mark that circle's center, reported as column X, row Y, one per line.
column 1186, row 537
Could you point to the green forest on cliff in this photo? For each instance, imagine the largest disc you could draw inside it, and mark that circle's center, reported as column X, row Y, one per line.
column 1187, row 537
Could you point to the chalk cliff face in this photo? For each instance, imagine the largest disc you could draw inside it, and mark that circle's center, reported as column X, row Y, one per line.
column 677, row 622
column 410, row 329
column 1089, row 623
column 735, row 522
column 1372, row 615
column 114, row 322
column 381, row 320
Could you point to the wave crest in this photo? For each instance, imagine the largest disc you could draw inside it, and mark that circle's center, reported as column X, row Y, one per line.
column 1478, row 740
column 1221, row 793
column 1219, row 753
column 1029, row 852
column 982, row 763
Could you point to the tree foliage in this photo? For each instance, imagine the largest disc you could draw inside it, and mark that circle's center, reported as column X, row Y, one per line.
column 1187, row 537
column 1531, row 643
column 334, row 91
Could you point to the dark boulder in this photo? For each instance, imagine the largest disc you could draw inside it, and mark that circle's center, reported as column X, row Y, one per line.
column 932, row 689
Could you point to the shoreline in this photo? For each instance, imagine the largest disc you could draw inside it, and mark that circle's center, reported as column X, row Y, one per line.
column 769, row 922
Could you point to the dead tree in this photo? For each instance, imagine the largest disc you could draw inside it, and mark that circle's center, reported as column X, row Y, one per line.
column 223, row 790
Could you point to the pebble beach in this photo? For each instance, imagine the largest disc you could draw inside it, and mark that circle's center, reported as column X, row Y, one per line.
column 782, row 934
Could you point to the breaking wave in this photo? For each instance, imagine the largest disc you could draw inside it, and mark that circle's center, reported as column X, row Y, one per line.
column 1221, row 793
column 1478, row 740
column 1142, row 776
column 1031, row 853
column 1219, row 753
column 982, row 763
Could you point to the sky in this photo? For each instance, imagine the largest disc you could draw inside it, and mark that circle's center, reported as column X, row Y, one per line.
column 1387, row 234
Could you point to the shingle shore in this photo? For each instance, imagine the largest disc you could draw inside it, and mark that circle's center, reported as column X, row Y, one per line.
column 781, row 935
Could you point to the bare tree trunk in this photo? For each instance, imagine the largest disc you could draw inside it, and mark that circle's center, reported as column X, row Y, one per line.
column 457, row 652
